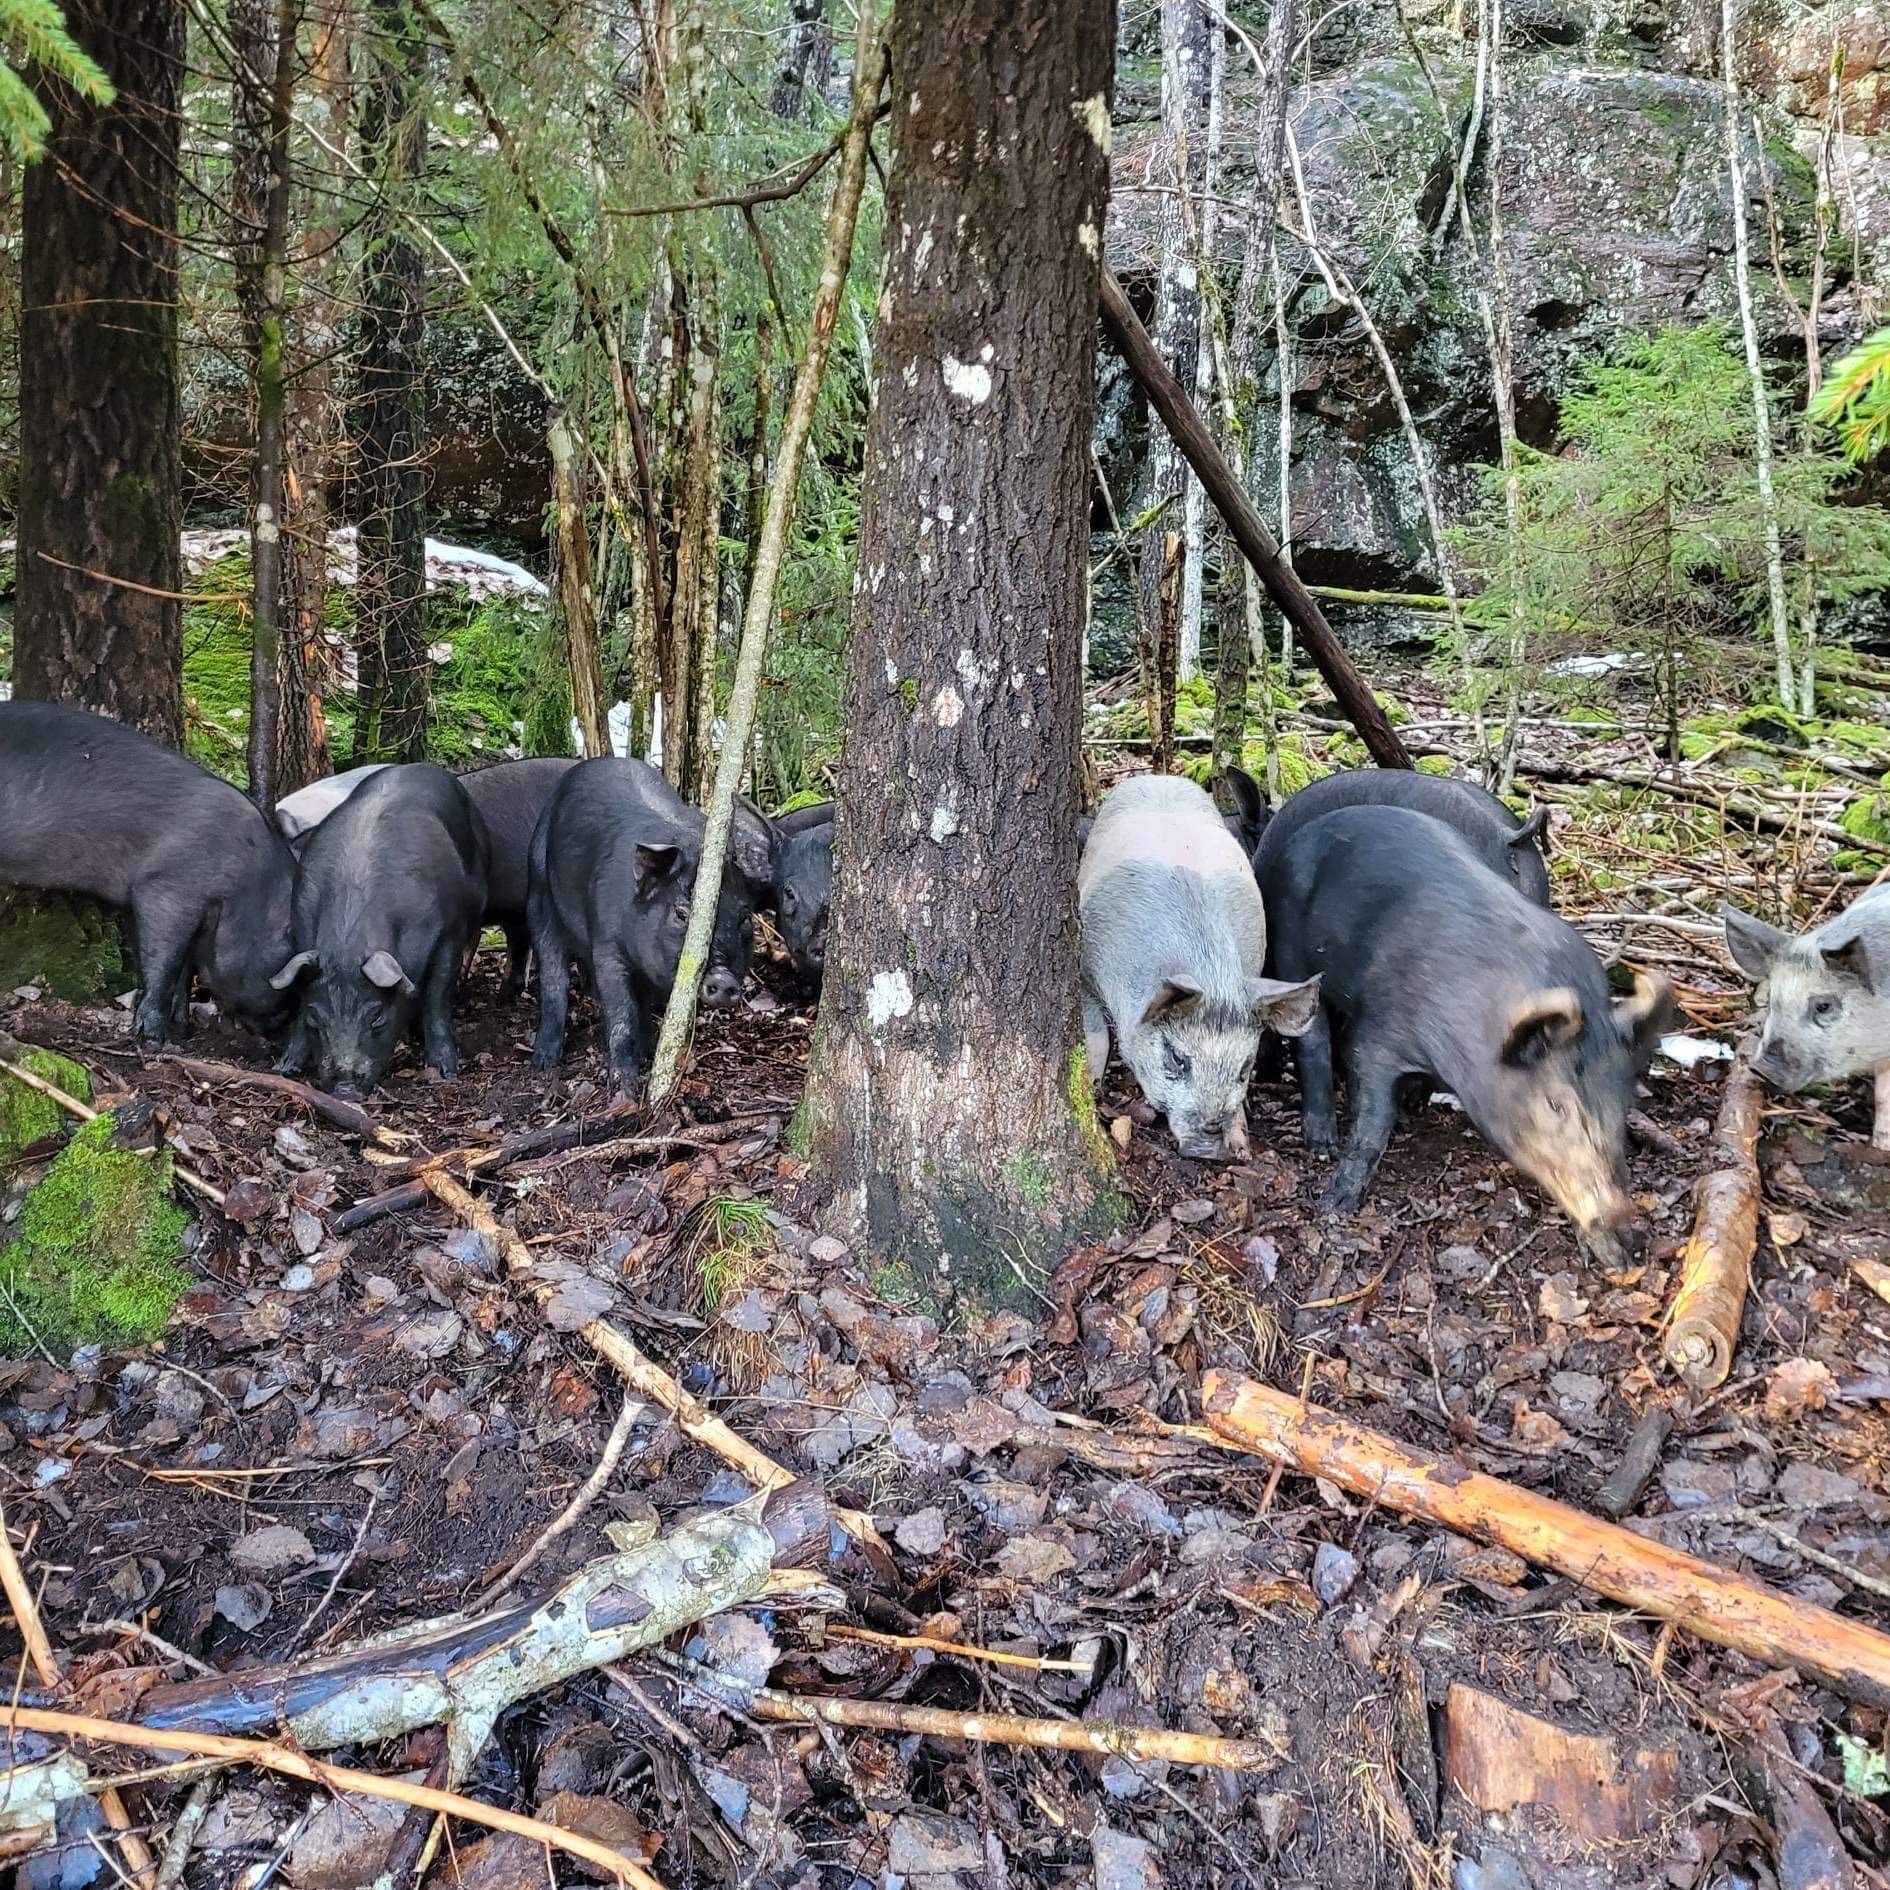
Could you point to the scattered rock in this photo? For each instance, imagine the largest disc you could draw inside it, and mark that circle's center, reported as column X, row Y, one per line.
column 1334, row 1571
column 1122, row 1862
column 929, row 1850
column 921, row 1533
column 607, row 1823
column 272, row 1549
column 347, row 1840
column 245, row 1605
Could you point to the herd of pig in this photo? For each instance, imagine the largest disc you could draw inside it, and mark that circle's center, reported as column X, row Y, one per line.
column 1396, row 923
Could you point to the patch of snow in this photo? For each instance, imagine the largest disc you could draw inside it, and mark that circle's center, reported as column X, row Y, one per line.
column 1691, row 1052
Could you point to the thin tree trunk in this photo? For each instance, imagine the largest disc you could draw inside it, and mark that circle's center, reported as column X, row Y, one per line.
column 1161, row 734
column 98, row 620
column 390, row 595
column 770, row 552
column 1185, row 84
column 1201, row 245
column 758, row 449
column 313, row 428
column 948, row 1108
column 1284, row 371
column 264, row 94
column 1755, row 369
column 807, row 24
column 577, row 593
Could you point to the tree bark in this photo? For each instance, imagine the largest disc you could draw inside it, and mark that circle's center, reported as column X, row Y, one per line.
column 948, row 1106
column 806, row 27
column 1185, row 85
column 390, row 596
column 577, row 592
column 97, row 617
column 262, row 39
column 1288, row 590
column 313, row 425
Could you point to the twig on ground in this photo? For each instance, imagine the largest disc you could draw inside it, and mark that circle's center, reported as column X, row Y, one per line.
column 184, row 1831
column 339, row 1779
column 39, row 1650
column 347, row 1562
column 1631, row 1476
column 334, row 1110
column 964, row 1651
column 568, row 1517
column 1795, row 1539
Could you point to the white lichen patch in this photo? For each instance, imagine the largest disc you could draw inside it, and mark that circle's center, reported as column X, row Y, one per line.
column 976, row 675
column 888, row 996
column 1086, row 235
column 948, row 707
column 944, row 822
column 922, row 255
column 1094, row 112
column 968, row 380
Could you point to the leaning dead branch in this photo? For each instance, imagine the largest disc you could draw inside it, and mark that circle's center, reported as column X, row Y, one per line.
column 693, row 1418
column 340, row 1779
column 1716, row 1265
column 1714, row 1603
column 348, row 1117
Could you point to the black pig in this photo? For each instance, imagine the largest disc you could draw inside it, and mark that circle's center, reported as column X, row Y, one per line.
column 1433, row 965
column 613, row 865
column 388, row 896
column 511, row 797
column 90, row 806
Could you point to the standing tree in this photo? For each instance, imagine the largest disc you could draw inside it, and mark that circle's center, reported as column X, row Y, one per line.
column 98, row 618
column 948, row 1104
column 391, row 599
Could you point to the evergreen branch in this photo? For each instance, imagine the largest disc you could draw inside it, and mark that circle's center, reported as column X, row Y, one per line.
column 35, row 30
column 23, row 122
column 1855, row 399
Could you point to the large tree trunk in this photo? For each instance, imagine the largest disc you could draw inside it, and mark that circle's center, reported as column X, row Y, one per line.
column 262, row 39
column 97, row 618
column 313, row 423
column 390, row 597
column 948, row 1106
column 1187, row 72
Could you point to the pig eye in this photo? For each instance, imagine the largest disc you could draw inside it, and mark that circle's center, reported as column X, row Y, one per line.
column 790, row 900
column 1174, row 1062
column 1824, row 1010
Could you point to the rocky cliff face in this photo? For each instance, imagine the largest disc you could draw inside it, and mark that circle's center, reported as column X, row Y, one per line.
column 1616, row 212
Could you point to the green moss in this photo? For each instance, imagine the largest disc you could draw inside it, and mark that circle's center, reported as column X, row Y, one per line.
column 909, row 693
column 67, row 944
column 800, row 1128
column 807, row 797
column 26, row 1116
column 1029, row 1176
column 1434, row 764
column 1868, row 817
column 1082, row 1095
column 898, row 1286
column 98, row 1252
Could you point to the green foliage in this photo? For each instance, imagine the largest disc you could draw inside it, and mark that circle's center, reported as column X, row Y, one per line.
column 98, row 1250
column 1645, row 532
column 33, row 34
column 70, row 945
column 26, row 1116
column 1856, row 398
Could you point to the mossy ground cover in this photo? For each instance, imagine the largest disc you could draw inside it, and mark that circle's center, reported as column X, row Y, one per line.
column 70, row 946
column 26, row 1116
column 97, row 1252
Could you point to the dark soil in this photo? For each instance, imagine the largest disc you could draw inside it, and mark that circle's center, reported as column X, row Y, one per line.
column 415, row 1418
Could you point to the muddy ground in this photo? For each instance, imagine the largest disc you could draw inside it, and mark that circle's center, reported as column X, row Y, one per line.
column 419, row 1424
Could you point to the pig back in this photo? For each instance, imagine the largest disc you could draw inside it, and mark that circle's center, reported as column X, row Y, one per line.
column 510, row 797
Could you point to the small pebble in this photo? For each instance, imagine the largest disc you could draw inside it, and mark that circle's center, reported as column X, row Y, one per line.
column 298, row 1279
column 1334, row 1570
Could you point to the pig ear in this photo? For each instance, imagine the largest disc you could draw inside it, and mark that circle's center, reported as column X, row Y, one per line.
column 1286, row 1008
column 1535, row 828
column 382, row 970
column 1541, row 1023
column 1849, row 960
column 1752, row 943
column 1172, row 996
column 656, row 863
column 1249, row 811
column 754, row 843
column 1648, row 1014
column 302, row 965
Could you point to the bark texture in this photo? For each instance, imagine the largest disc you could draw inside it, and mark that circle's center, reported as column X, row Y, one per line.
column 390, row 601
column 948, row 1107
column 99, row 430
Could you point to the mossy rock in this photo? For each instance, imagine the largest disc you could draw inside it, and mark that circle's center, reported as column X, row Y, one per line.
column 1435, row 764
column 67, row 944
column 99, row 1249
column 26, row 1116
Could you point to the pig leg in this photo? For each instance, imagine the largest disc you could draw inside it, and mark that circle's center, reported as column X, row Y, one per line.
column 1880, row 1127
column 295, row 1048
column 1372, row 1089
column 164, row 938
column 436, row 1007
column 518, row 945
column 1319, row 1119
column 554, row 990
column 1095, row 1038
column 623, row 1020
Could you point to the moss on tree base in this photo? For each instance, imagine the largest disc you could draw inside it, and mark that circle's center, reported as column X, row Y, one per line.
column 26, row 1116
column 98, row 1253
column 67, row 944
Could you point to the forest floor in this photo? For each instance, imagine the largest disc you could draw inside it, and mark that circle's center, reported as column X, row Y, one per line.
column 412, row 1420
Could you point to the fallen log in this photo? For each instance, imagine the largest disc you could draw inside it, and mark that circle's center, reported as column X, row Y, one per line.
column 1296, row 603
column 337, row 1111
column 1716, row 1263
column 1716, row 1604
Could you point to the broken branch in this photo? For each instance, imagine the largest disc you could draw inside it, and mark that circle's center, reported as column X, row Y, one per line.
column 1714, row 1603
column 349, row 1117
column 1716, row 1264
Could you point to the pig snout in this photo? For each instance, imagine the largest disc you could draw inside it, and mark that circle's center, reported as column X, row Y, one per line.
column 1210, row 1141
column 1779, row 1067
column 352, row 1081
column 721, row 989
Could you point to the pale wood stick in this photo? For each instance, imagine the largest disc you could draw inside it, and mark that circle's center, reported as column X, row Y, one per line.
column 1716, row 1265
column 39, row 1651
column 693, row 1418
column 335, row 1778
column 963, row 1649
column 1714, row 1603
column 86, row 1113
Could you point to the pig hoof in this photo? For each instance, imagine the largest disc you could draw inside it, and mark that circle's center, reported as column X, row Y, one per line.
column 1340, row 1197
column 545, row 1060
column 1322, row 1141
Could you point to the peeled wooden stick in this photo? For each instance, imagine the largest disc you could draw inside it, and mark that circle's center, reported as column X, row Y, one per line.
column 1716, row 1264
column 86, row 1113
column 39, row 1651
column 335, row 1778
column 1714, row 1603
column 963, row 1649
column 693, row 1418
